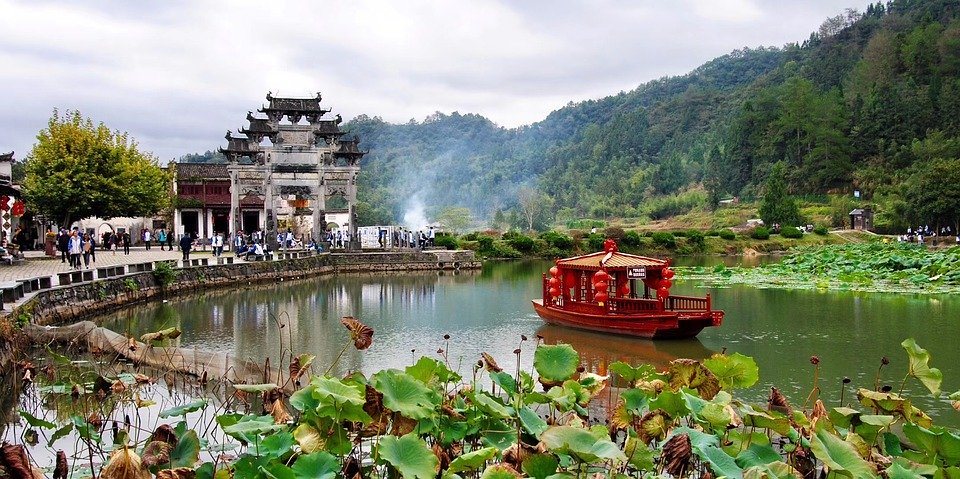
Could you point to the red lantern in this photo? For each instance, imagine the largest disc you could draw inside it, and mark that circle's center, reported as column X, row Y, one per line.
column 569, row 278
column 554, row 292
column 625, row 290
column 600, row 297
column 666, row 283
column 4, row 202
column 663, row 293
column 19, row 208
column 554, row 282
column 600, row 276
column 668, row 273
column 600, row 286
column 554, row 271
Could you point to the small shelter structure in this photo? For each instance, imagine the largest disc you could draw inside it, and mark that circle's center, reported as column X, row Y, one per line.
column 861, row 219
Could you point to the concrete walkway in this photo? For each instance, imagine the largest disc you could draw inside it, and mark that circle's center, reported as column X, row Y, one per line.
column 36, row 264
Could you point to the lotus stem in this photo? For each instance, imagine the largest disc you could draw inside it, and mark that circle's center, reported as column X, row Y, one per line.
column 336, row 359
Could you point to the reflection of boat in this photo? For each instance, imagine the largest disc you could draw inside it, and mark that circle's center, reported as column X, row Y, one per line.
column 598, row 292
column 597, row 350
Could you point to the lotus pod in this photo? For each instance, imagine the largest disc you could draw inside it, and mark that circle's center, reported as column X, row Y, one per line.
column 61, row 470
column 778, row 402
column 156, row 453
column 178, row 473
column 676, row 455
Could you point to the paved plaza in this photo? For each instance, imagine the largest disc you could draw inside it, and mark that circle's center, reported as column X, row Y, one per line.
column 37, row 264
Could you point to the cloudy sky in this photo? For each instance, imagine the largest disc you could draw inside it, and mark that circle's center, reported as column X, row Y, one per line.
column 178, row 74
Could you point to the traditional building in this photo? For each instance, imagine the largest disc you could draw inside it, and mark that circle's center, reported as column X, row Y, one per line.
column 301, row 170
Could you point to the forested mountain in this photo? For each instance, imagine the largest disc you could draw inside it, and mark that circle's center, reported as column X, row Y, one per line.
column 870, row 101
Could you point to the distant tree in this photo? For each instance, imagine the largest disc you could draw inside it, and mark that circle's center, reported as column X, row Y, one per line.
column 933, row 192
column 499, row 220
column 531, row 204
column 777, row 205
column 455, row 218
column 78, row 169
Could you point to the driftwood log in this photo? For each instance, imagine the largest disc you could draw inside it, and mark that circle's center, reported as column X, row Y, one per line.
column 89, row 336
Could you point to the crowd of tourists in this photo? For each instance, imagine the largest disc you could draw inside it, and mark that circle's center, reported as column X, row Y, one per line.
column 922, row 234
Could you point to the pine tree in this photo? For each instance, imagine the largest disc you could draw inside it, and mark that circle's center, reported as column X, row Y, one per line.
column 778, row 207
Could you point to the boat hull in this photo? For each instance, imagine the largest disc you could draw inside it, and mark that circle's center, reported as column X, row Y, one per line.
column 660, row 325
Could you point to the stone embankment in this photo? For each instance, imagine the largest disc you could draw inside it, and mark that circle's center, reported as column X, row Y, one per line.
column 61, row 305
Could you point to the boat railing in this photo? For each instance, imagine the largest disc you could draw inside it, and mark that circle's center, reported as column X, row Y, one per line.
column 630, row 305
column 688, row 303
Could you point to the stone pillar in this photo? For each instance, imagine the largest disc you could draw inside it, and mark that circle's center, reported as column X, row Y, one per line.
column 234, row 216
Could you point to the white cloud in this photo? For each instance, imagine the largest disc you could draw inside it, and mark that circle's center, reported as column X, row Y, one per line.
column 176, row 75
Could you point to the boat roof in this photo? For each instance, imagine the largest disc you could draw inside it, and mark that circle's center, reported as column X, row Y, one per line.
column 617, row 260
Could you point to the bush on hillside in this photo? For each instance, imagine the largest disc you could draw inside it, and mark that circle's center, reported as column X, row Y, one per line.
column 631, row 239
column 446, row 241
column 791, row 232
column 614, row 232
column 665, row 240
column 557, row 240
column 727, row 235
column 820, row 230
column 760, row 233
column 695, row 240
column 521, row 242
column 595, row 241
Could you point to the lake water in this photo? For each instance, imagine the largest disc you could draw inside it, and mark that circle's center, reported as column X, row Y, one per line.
column 489, row 311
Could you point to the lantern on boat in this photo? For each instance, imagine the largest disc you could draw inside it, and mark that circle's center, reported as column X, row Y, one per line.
column 668, row 273
column 554, row 292
column 666, row 283
column 554, row 282
column 625, row 290
column 601, row 297
column 663, row 293
column 554, row 271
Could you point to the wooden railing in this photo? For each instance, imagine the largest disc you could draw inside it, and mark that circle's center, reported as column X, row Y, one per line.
column 628, row 305
column 688, row 303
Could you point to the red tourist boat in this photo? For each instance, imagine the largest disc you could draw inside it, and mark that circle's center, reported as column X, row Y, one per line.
column 600, row 292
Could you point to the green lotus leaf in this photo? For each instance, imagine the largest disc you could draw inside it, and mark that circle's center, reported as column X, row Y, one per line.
column 935, row 442
column 635, row 400
column 60, row 433
column 557, row 362
column 920, row 367
column 187, row 451
column 318, row 465
column 638, row 454
column 491, row 405
column 255, row 425
column 734, row 371
column 505, row 381
column 758, row 455
column 898, row 471
column 184, row 409
column 840, row 455
column 738, row 440
column 893, row 404
column 774, row 421
column 302, row 400
column 404, row 394
column 497, row 433
column 472, row 460
column 532, row 422
column 85, row 429
column 499, row 471
column 336, row 392
column 276, row 445
column 631, row 375
column 540, row 466
column 707, row 448
column 576, row 391
column 670, row 402
column 36, row 422
column 430, row 371
column 843, row 416
column 581, row 443
column 255, row 388
column 409, row 455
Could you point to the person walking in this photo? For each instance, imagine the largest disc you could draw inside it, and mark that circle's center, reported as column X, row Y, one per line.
column 147, row 237
column 170, row 240
column 162, row 238
column 217, row 243
column 75, row 247
column 185, row 243
column 63, row 245
column 126, row 243
column 87, row 248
